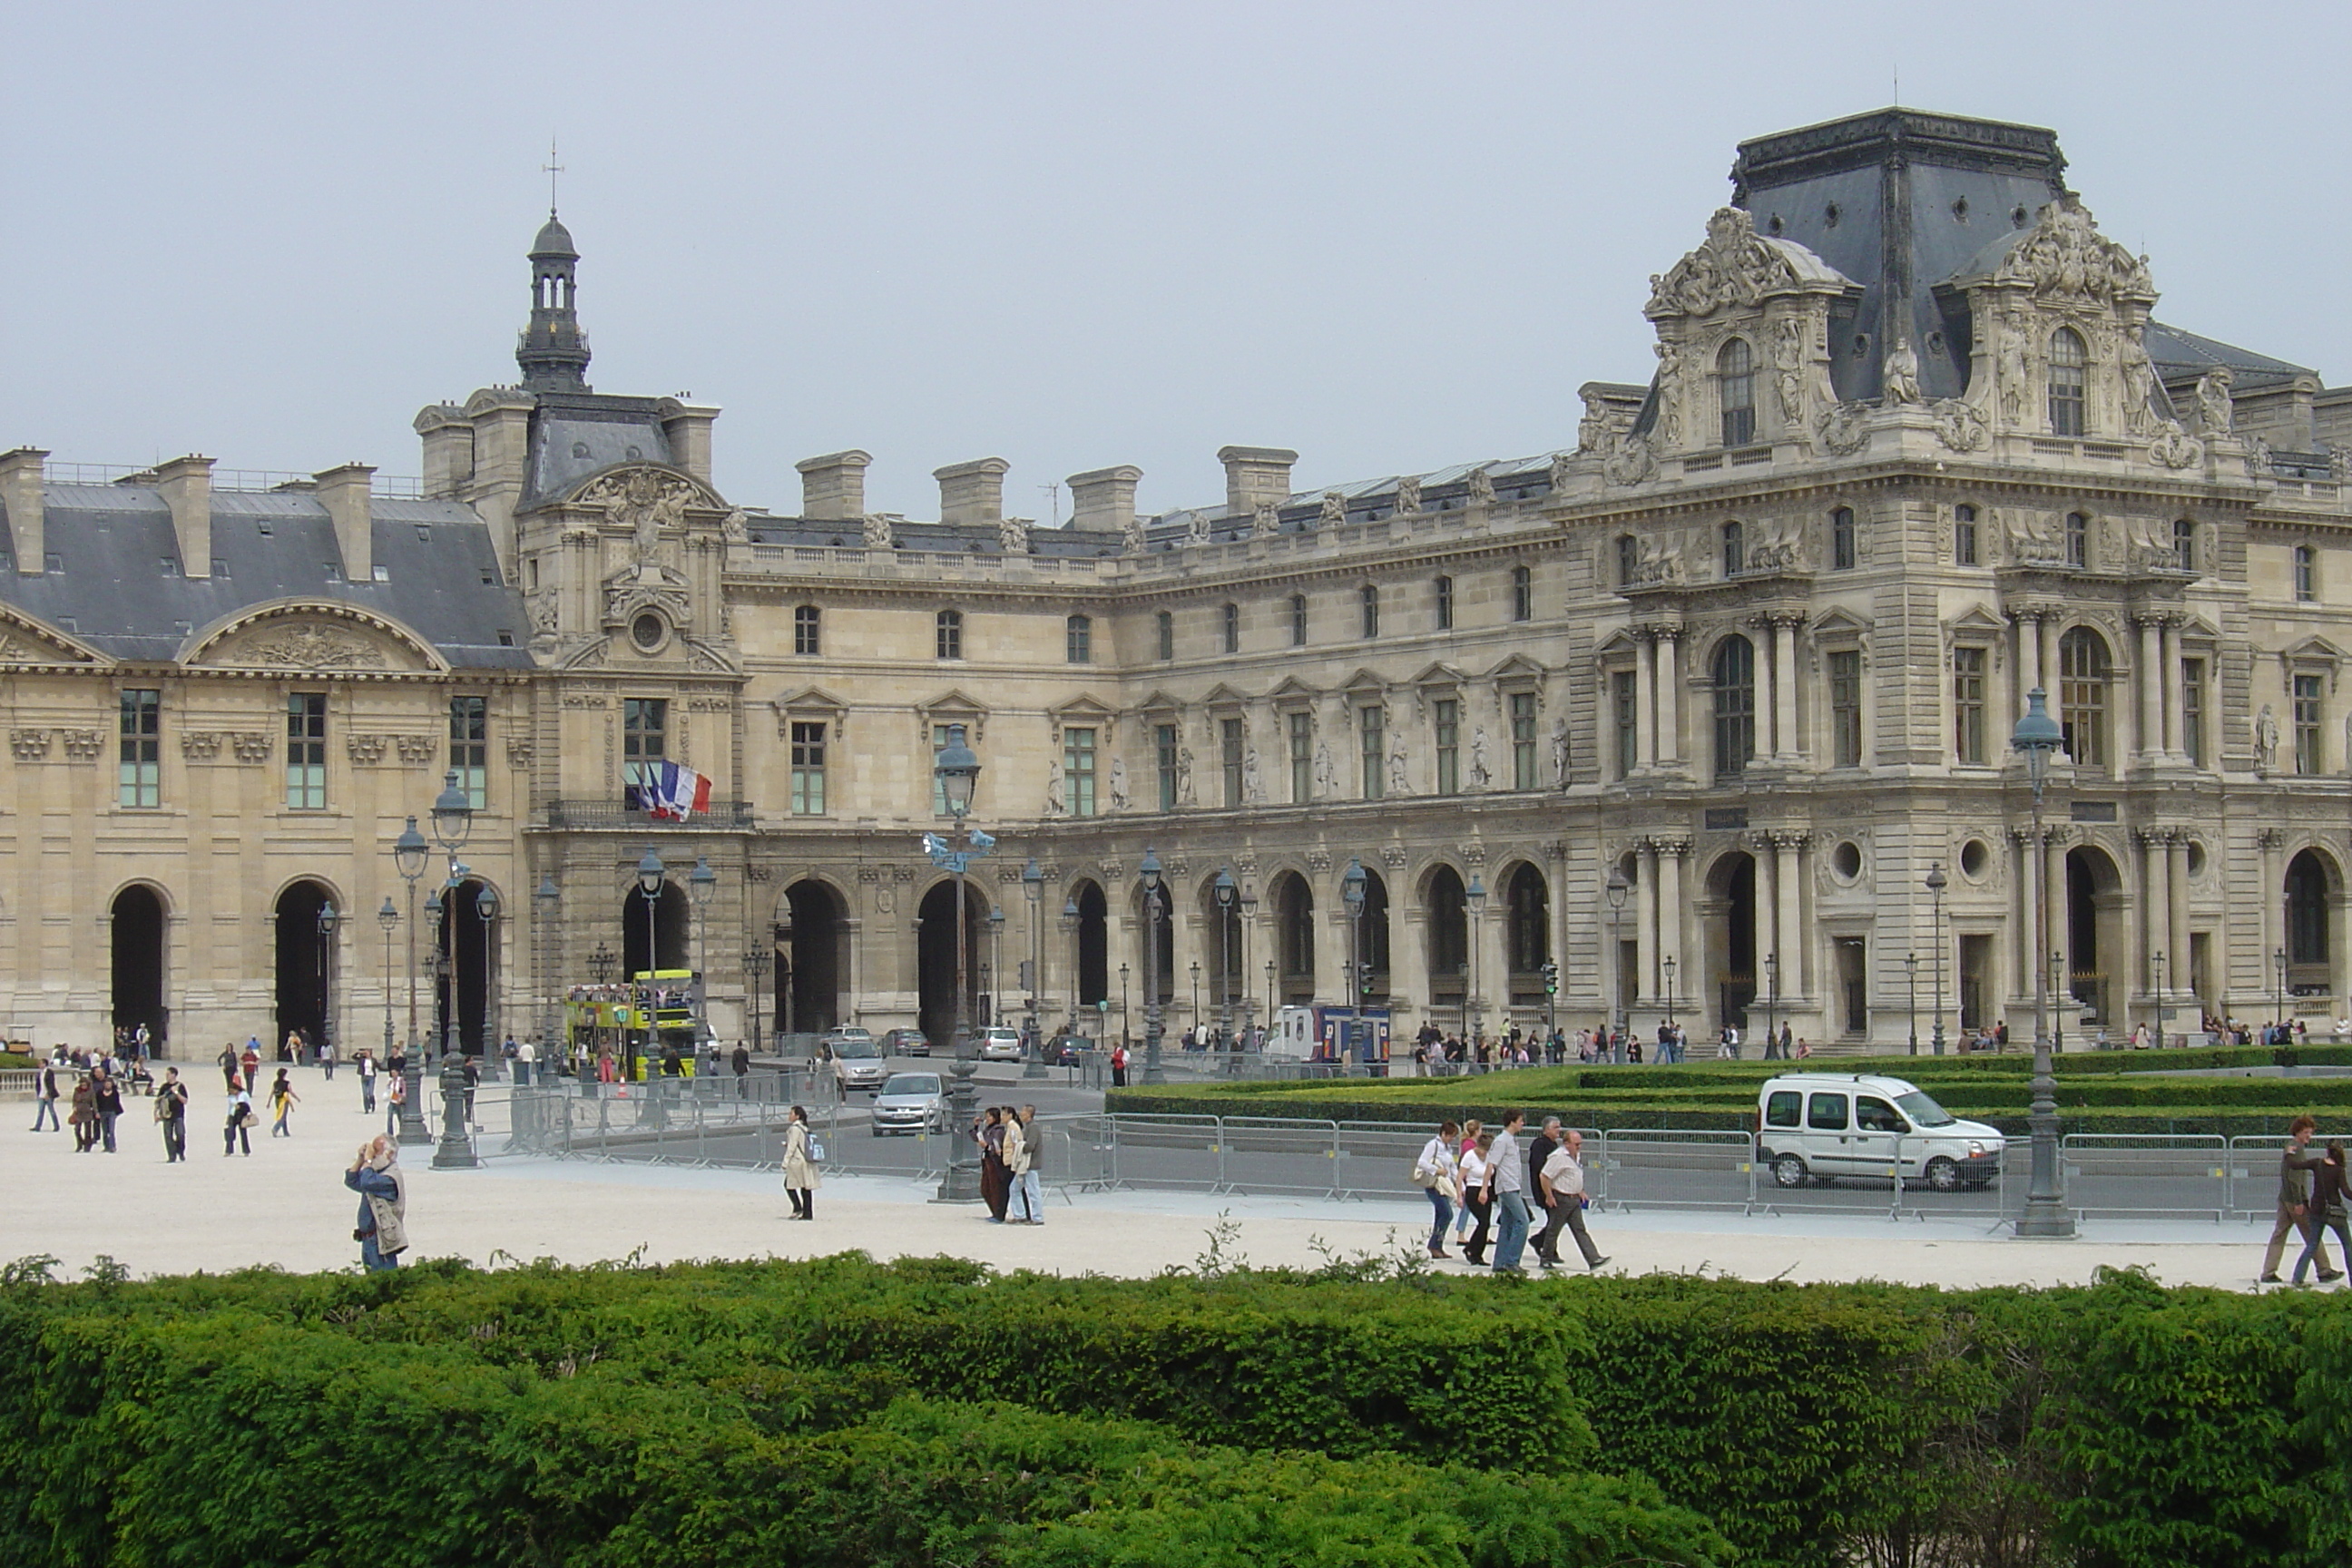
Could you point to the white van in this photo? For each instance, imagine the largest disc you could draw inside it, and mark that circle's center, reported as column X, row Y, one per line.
column 1822, row 1126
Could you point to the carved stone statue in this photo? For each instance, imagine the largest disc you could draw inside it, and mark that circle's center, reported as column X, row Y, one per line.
column 2216, row 413
column 876, row 529
column 1735, row 265
column 1558, row 474
column 1669, row 426
column 1053, row 788
column 1408, row 499
column 2266, row 738
column 737, row 528
column 1594, row 431
column 2064, row 257
column 1012, row 535
column 1252, row 785
column 1196, row 530
column 1119, row 798
column 1184, row 776
column 2139, row 384
column 1482, row 770
column 1559, row 752
column 1265, row 520
column 1900, row 382
column 1334, row 512
column 1789, row 360
column 1480, row 487
column 1326, row 777
column 1130, row 536
column 2010, row 361
column 1400, row 780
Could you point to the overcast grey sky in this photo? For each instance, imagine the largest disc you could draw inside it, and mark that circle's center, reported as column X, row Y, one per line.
column 1393, row 237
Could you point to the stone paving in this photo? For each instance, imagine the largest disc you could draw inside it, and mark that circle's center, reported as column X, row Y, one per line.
column 285, row 1205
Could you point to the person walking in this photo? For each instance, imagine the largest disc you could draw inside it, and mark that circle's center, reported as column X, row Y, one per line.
column 45, row 1097
column 1471, row 1128
column 2327, row 1212
column 83, row 1115
column 800, row 1166
column 172, row 1115
column 526, row 1063
column 282, row 1100
column 231, row 1071
column 2295, row 1165
column 1478, row 1193
column 383, row 1228
column 742, row 1062
column 1437, row 1172
column 1033, row 1164
column 1016, row 1165
column 1510, row 1195
column 1562, row 1184
column 1546, row 1240
column 366, row 1068
column 327, row 1059
column 990, row 1136
column 239, row 1128
column 251, row 1062
column 106, row 1098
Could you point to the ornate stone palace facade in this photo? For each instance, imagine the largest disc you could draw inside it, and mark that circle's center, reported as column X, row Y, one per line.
column 1914, row 444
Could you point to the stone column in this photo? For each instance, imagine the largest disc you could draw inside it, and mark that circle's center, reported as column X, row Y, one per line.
column 1670, row 914
column 1646, row 734
column 1408, row 969
column 2178, row 978
column 2151, row 689
column 2054, row 871
column 2269, row 899
column 2156, row 904
column 2049, row 635
column 1670, row 687
column 1768, row 904
column 1645, row 922
column 2029, row 657
column 2176, row 711
column 2026, row 885
column 1787, row 745
column 1789, row 935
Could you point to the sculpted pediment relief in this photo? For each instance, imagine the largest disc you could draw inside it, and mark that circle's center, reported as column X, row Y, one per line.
column 1737, row 266
column 23, row 640
column 322, row 642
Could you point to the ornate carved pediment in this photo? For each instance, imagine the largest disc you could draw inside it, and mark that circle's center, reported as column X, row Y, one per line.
column 311, row 638
column 23, row 640
column 2063, row 258
column 644, row 495
column 307, row 646
column 1736, row 267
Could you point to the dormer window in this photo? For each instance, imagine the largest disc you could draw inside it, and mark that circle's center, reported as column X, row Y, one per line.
column 2068, row 361
column 1735, row 371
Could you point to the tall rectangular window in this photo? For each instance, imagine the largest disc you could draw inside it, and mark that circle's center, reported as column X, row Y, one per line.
column 1968, row 705
column 2078, row 540
column 644, row 742
column 1623, row 723
column 946, row 634
column 1229, row 758
column 1163, row 749
column 808, row 630
column 2306, row 575
column 1443, row 597
column 1079, row 639
column 1964, row 536
column 1374, row 747
column 2192, row 710
column 808, row 769
column 306, row 751
column 1842, row 541
column 1523, row 739
column 1523, row 594
column 1167, row 631
column 2310, row 754
column 470, row 747
column 1078, row 771
column 1301, row 727
column 1371, row 598
column 1845, row 707
column 1449, row 745
column 1299, row 620
column 141, row 779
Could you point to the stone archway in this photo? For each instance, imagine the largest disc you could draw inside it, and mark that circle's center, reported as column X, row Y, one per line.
column 812, row 956
column 935, row 950
column 302, row 960
column 136, row 930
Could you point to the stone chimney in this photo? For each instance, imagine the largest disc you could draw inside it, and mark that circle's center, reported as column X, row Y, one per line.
column 1103, row 501
column 187, row 485
column 972, row 492
column 1254, row 475
column 833, row 486
column 22, row 473
column 687, row 426
column 448, row 438
column 344, row 493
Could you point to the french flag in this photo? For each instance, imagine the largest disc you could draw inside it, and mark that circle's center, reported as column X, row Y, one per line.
column 678, row 793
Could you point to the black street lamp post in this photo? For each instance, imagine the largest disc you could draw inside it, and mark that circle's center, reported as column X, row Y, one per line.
column 1153, row 901
column 1669, row 967
column 1122, row 1004
column 956, row 766
column 1617, row 888
column 1936, row 883
column 2037, row 735
column 1241, row 968
column 409, row 853
column 1911, row 970
column 1474, row 919
column 1771, row 1005
column 651, row 874
column 1228, row 895
column 486, row 904
column 756, row 960
column 1351, row 899
column 327, row 920
column 388, row 917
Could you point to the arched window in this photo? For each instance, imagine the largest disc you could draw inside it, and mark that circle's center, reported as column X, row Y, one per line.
column 948, row 634
column 808, row 630
column 1523, row 594
column 1842, row 546
column 1166, row 627
column 1371, row 602
column 2184, row 544
column 1734, row 376
column 2083, row 696
column 1735, row 706
column 1299, row 620
column 1079, row 639
column 1443, row 594
column 1734, row 550
column 2306, row 911
column 1229, row 623
column 2067, row 380
column 1529, row 911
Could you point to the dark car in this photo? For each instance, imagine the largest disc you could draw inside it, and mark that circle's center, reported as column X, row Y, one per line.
column 905, row 1043
column 1067, row 1050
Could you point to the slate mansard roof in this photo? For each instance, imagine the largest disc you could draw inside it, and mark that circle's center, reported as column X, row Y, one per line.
column 113, row 543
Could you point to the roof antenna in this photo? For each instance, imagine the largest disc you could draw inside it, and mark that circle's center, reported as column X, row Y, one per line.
column 1898, row 87
column 1053, row 501
column 551, row 169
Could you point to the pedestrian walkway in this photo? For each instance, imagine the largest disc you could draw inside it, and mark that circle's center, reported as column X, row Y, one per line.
column 285, row 1205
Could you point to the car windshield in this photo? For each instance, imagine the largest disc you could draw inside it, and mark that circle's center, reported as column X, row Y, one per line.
column 854, row 1048
column 911, row 1083
column 1923, row 1111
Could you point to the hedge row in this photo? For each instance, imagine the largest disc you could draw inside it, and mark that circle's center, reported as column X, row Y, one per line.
column 844, row 1412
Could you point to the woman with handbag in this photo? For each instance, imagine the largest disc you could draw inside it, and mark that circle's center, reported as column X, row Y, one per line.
column 1434, row 1170
column 800, row 1166
column 1478, row 1194
column 1462, row 1208
column 240, row 1123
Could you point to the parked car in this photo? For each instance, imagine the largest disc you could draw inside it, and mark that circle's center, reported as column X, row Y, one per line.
column 1821, row 1127
column 857, row 1064
column 911, row 1102
column 905, row 1043
column 1067, row 1050
column 999, row 1044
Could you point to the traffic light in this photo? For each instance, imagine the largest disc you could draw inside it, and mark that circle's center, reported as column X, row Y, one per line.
column 1364, row 978
column 1551, row 979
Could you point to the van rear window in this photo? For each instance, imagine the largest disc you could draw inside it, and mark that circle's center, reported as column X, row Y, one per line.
column 1782, row 1108
column 1826, row 1113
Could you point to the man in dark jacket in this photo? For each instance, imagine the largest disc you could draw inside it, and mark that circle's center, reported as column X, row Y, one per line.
column 2295, row 1165
column 1539, row 1150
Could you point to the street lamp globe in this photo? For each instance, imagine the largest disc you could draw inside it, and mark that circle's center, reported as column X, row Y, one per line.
column 1069, row 915
column 328, row 918
column 1225, row 887
column 702, row 883
column 486, row 904
column 2037, row 735
column 1474, row 896
column 1937, row 880
column 957, row 767
column 387, row 917
column 1249, row 902
column 409, row 851
column 1351, row 888
column 1617, row 887
column 650, row 872
column 1033, row 881
column 453, row 814
column 1149, row 870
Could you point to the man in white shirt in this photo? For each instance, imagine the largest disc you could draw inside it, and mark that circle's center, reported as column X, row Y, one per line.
column 526, row 1055
column 1562, row 1181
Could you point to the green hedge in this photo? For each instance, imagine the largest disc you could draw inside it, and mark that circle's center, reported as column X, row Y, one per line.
column 840, row 1412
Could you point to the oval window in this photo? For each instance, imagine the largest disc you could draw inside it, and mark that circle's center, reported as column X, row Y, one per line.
column 1846, row 860
column 1975, row 856
column 648, row 630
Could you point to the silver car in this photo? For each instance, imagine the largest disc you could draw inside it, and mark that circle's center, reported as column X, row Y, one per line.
column 911, row 1103
column 857, row 1064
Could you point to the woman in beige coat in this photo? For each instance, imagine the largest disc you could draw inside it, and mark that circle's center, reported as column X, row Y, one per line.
column 800, row 1166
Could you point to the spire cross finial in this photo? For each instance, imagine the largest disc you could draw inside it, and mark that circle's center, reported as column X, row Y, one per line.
column 551, row 169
